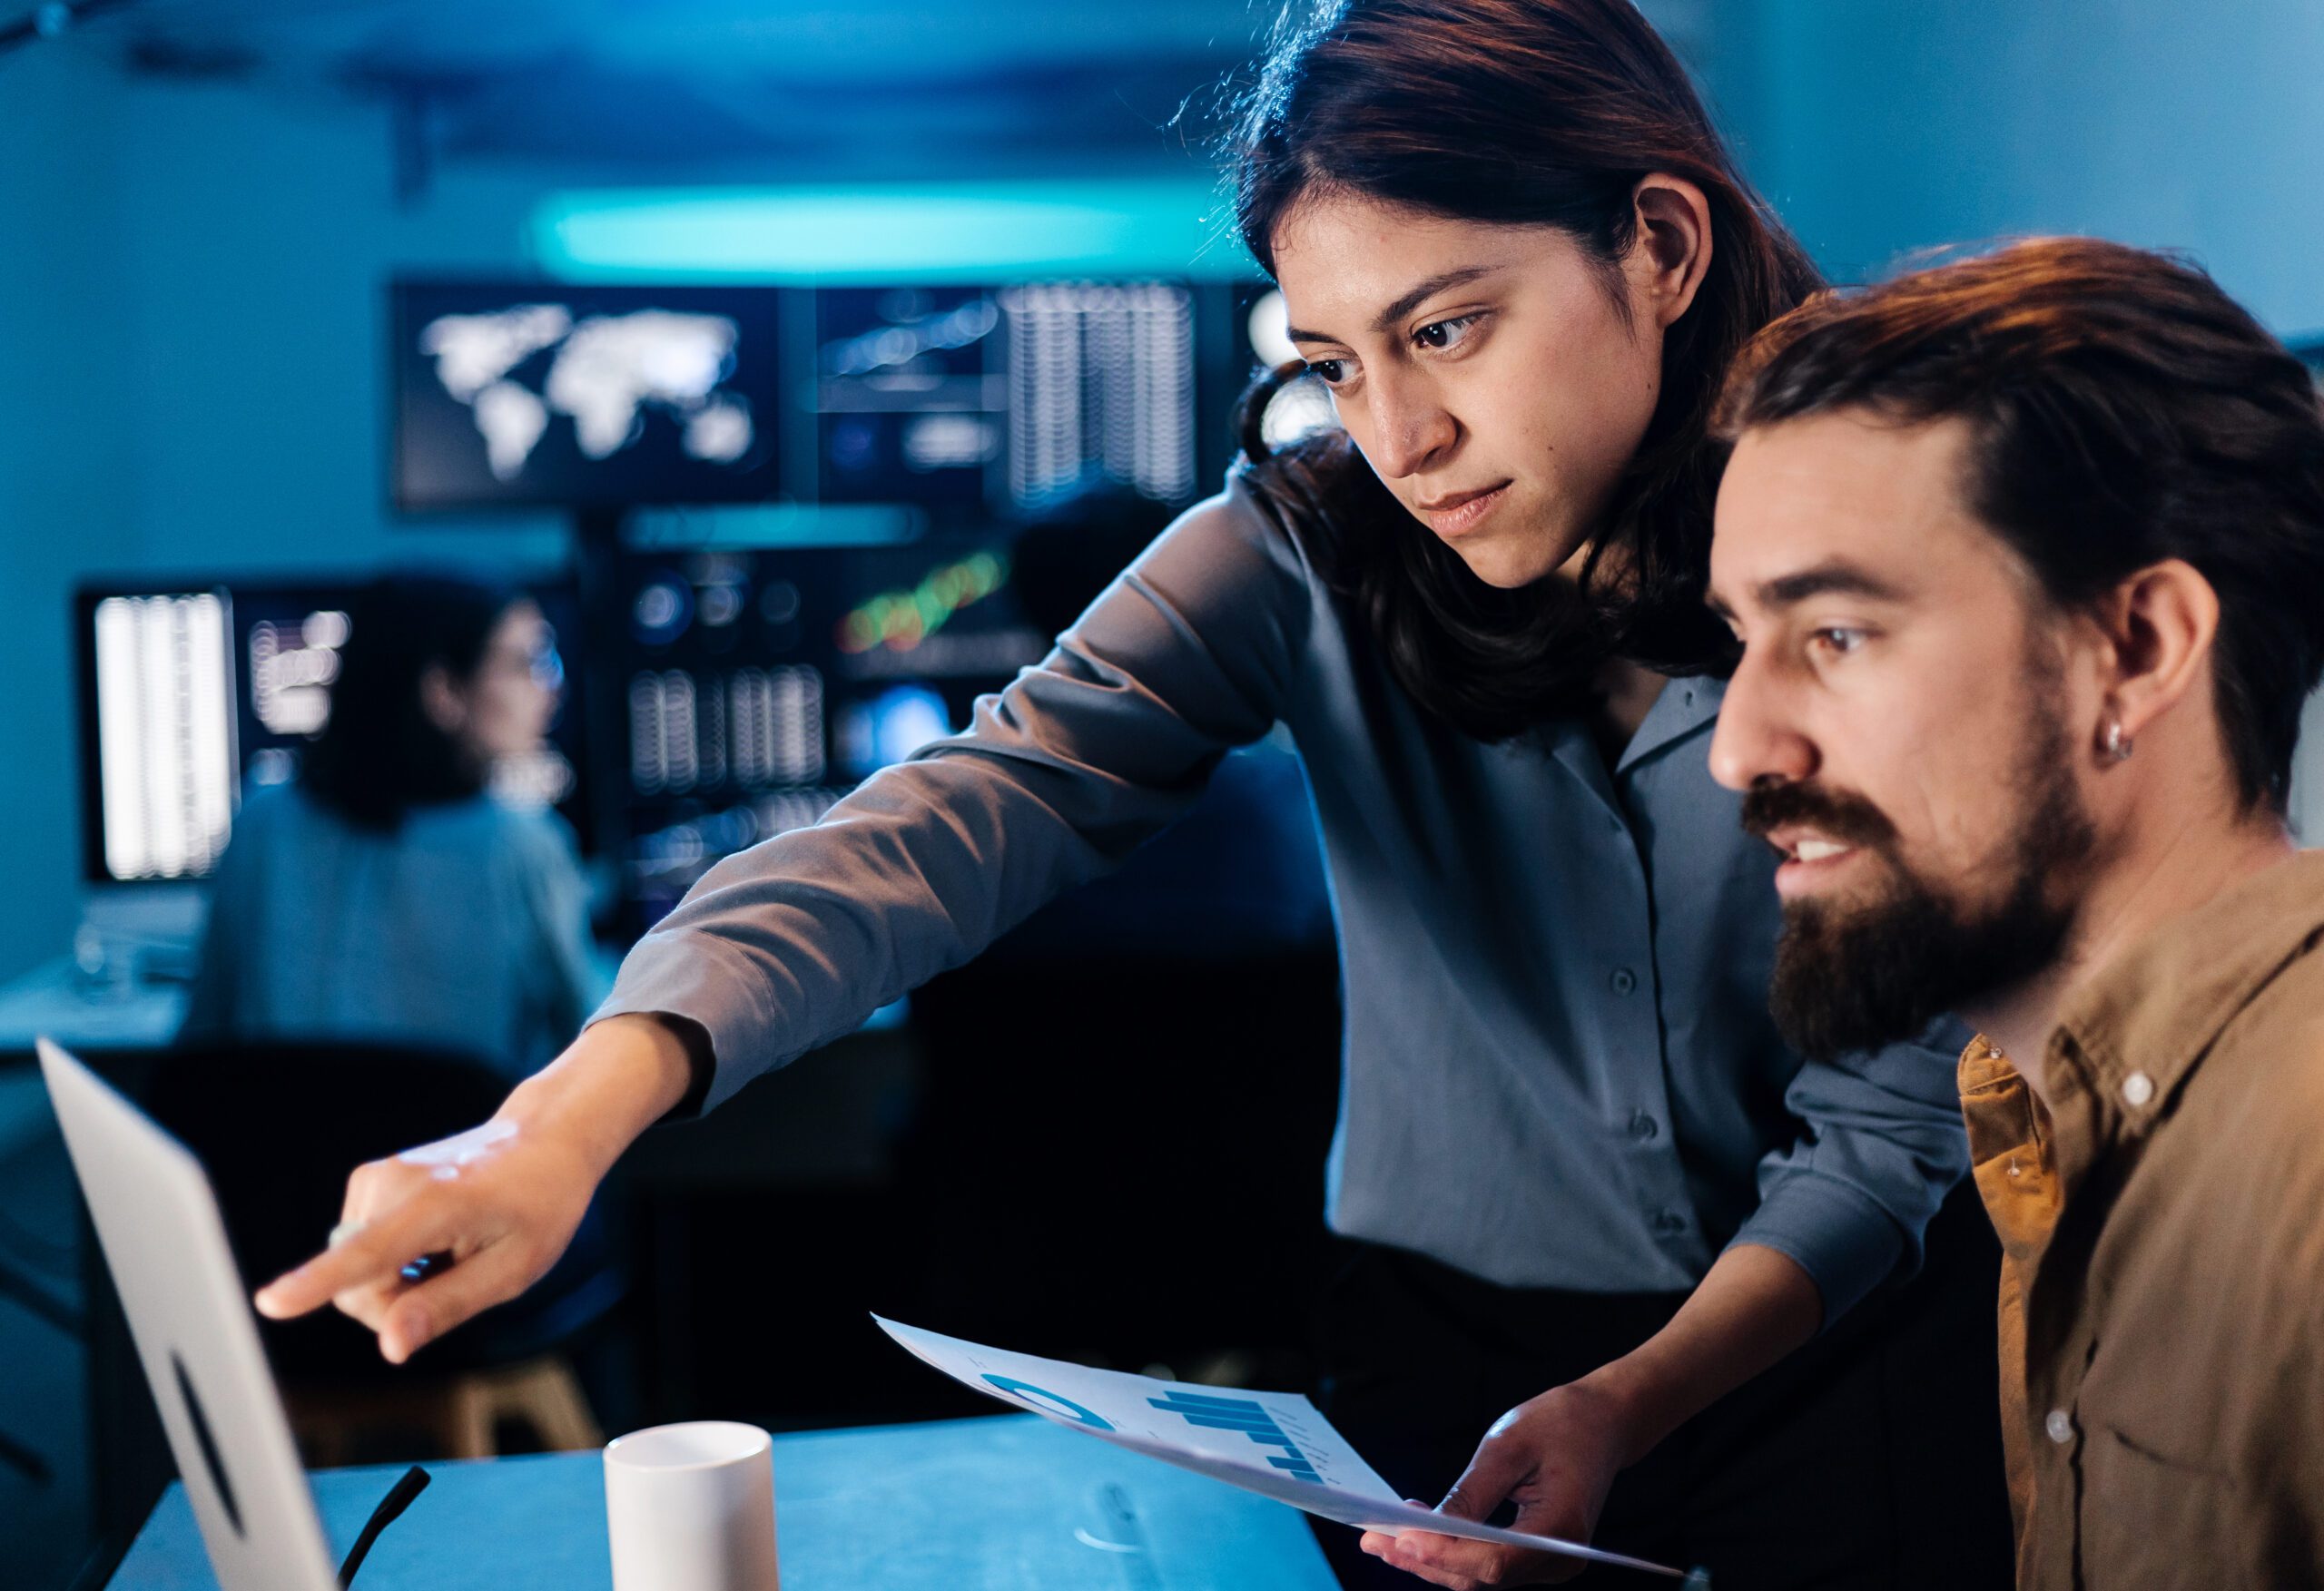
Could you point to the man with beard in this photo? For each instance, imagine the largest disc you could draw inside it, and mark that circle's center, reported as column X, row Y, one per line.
column 2026, row 557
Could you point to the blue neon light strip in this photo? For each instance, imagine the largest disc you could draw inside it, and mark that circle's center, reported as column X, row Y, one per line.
column 931, row 233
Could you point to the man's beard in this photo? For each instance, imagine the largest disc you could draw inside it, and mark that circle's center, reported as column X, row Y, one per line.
column 1860, row 976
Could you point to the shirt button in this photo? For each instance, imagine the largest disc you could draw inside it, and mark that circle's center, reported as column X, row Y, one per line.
column 2060, row 1425
column 1643, row 1127
column 2137, row 1089
column 1623, row 981
column 1670, row 1223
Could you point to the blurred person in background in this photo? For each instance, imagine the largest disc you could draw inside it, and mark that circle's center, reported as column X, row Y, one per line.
column 1596, row 1210
column 386, row 893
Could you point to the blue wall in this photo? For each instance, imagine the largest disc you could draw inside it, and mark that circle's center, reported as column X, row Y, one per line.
column 67, row 452
column 1878, row 129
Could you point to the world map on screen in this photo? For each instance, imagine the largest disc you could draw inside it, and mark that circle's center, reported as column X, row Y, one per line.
column 605, row 372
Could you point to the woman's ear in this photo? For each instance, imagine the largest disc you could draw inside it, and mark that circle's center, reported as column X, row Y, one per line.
column 1672, row 252
column 446, row 707
column 2160, row 625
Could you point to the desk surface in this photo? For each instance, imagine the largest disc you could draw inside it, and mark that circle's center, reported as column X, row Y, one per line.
column 53, row 1000
column 963, row 1505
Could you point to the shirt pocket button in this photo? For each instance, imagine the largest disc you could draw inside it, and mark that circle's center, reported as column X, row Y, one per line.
column 2060, row 1425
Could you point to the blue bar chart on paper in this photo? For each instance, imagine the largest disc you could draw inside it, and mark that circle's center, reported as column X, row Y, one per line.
column 1241, row 1414
column 1276, row 1444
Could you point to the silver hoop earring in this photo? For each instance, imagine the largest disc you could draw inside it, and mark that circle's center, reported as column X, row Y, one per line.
column 2118, row 744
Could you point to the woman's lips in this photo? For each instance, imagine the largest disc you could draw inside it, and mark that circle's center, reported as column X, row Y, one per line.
column 1458, row 512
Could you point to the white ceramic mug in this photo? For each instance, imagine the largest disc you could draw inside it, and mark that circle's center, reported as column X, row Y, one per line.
column 691, row 1508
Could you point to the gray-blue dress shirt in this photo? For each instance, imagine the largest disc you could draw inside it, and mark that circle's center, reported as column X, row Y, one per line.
column 467, row 929
column 1560, row 1069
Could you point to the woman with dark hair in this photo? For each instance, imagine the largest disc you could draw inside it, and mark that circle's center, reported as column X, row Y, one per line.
column 1578, row 1172
column 386, row 893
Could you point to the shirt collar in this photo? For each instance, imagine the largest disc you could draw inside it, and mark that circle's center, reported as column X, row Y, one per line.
column 2134, row 1032
column 1685, row 706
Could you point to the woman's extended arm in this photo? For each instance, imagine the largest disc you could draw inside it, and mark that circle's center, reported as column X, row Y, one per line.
column 1192, row 651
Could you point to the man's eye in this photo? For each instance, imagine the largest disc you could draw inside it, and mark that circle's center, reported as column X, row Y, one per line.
column 1330, row 372
column 1835, row 638
column 1444, row 334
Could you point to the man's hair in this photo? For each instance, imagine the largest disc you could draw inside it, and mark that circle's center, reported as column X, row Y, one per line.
column 2123, row 411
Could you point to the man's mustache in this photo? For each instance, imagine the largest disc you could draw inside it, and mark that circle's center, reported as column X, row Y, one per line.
column 1850, row 819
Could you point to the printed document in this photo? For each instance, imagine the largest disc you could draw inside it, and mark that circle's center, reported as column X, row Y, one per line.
column 1272, row 1443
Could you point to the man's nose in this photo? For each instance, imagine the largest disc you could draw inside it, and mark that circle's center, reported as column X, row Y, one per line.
column 1758, row 739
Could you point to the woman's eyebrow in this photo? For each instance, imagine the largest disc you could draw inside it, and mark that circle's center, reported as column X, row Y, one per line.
column 1411, row 299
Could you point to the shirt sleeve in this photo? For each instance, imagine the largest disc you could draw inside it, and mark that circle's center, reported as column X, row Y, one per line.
column 1190, row 652
column 1882, row 1145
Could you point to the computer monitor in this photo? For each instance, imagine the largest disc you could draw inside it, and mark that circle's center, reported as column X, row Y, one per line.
column 193, row 691
column 971, row 404
column 1005, row 398
column 760, row 685
column 532, row 393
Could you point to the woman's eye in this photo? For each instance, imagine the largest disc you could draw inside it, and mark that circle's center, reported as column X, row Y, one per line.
column 1444, row 334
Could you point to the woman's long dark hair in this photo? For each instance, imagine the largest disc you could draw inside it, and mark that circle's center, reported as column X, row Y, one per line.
column 1530, row 112
column 380, row 754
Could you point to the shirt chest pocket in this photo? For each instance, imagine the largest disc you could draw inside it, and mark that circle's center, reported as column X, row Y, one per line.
column 2153, row 1523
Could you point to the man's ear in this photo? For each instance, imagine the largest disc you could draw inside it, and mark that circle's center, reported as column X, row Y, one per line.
column 1672, row 252
column 441, row 701
column 2160, row 625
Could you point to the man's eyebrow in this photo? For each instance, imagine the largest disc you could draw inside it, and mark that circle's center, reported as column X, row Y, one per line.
column 1835, row 578
column 1410, row 299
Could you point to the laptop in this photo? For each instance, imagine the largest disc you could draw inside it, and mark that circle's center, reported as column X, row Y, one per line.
column 166, row 1246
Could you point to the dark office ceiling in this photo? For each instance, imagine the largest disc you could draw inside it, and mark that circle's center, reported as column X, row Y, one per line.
column 767, row 86
column 758, row 89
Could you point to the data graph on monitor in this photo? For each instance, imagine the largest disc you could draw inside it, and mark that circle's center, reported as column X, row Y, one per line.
column 761, row 684
column 165, row 728
column 1003, row 398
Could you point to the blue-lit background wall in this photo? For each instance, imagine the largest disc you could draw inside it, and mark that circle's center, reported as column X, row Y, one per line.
column 191, row 284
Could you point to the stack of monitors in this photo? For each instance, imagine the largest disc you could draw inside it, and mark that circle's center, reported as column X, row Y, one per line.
column 762, row 685
column 746, row 686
